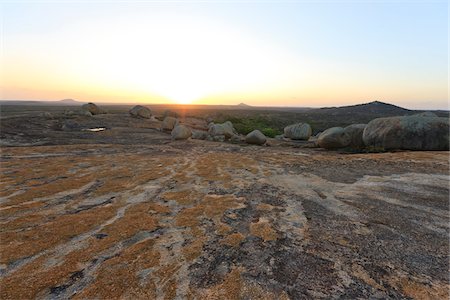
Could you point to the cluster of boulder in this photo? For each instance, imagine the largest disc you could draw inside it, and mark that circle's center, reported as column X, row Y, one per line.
column 425, row 131
column 216, row 132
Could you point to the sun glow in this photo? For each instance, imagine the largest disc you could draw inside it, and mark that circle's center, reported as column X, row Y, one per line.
column 173, row 57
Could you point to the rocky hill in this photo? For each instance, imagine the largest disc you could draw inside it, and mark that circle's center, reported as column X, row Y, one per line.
column 371, row 108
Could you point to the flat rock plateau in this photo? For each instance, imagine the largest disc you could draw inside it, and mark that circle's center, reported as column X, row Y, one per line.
column 127, row 213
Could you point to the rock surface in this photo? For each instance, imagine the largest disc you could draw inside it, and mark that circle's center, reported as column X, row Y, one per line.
column 181, row 132
column 416, row 132
column 169, row 123
column 141, row 111
column 129, row 213
column 255, row 137
column 334, row 138
column 299, row 131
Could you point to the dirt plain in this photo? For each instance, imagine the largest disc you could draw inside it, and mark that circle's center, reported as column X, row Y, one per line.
column 127, row 213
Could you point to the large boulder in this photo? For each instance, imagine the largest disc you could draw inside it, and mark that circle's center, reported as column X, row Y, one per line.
column 141, row 111
column 255, row 137
column 169, row 123
column 299, row 131
column 181, row 132
column 355, row 131
column 334, row 138
column 92, row 108
column 416, row 132
column 199, row 135
column 225, row 129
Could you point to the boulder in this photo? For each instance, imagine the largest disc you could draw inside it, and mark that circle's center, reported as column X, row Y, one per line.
column 218, row 138
column 299, row 131
column 255, row 137
column 92, row 108
column 181, row 132
column 416, row 132
column 225, row 129
column 46, row 114
column 236, row 139
column 141, row 111
column 355, row 131
column 334, row 138
column 169, row 123
column 85, row 113
column 199, row 134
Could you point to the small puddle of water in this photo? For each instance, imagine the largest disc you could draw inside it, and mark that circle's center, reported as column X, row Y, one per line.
column 95, row 129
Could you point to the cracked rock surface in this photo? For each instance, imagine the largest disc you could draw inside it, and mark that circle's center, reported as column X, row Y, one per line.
column 204, row 220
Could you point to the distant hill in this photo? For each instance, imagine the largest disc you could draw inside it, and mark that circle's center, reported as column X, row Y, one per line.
column 371, row 108
column 71, row 102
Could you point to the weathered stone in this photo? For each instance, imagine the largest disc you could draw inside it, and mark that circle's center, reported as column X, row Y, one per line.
column 236, row 139
column 169, row 123
column 416, row 132
column 334, row 138
column 218, row 138
column 225, row 129
column 299, row 131
column 92, row 108
column 199, row 134
column 141, row 111
column 181, row 132
column 255, row 137
column 355, row 131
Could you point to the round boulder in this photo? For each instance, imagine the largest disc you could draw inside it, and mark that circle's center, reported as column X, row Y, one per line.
column 299, row 131
column 255, row 137
column 416, row 132
column 169, row 123
column 225, row 129
column 334, row 138
column 355, row 131
column 92, row 108
column 181, row 132
column 141, row 111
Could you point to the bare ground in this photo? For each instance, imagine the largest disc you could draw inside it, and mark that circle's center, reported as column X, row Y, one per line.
column 157, row 219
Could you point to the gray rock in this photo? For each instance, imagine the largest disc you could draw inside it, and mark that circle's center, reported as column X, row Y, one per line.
column 225, row 129
column 181, row 132
column 141, row 111
column 427, row 114
column 355, row 131
column 255, row 137
column 218, row 138
column 46, row 115
column 299, row 131
column 236, row 139
column 334, row 138
column 199, row 134
column 416, row 132
column 85, row 113
column 92, row 108
column 169, row 123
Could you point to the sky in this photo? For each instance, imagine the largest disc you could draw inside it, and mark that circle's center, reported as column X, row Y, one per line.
column 266, row 53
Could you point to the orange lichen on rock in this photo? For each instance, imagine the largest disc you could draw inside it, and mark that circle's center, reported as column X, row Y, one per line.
column 233, row 240
column 118, row 277
column 263, row 230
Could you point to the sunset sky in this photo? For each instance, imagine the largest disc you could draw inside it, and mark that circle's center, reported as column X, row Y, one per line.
column 262, row 53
